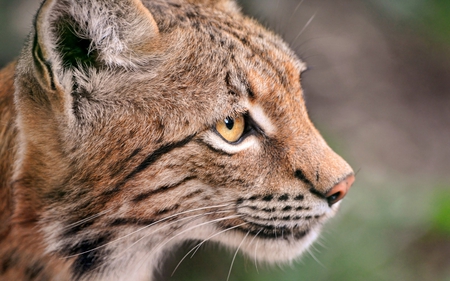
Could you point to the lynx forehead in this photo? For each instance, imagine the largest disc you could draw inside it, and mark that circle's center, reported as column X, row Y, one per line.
column 130, row 126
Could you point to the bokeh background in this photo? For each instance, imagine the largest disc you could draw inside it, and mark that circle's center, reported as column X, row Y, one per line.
column 379, row 91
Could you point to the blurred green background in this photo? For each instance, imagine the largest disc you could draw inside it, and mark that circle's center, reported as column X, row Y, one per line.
column 379, row 91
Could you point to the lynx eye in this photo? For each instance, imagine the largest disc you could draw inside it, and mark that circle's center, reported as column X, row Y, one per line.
column 231, row 129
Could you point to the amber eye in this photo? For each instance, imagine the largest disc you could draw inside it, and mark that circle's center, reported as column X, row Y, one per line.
column 231, row 129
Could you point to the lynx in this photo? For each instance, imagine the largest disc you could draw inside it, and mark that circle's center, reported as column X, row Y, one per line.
column 129, row 126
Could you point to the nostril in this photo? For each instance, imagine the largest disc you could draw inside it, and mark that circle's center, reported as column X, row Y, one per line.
column 335, row 198
column 338, row 192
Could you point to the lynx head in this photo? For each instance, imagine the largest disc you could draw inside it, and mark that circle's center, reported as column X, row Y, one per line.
column 144, row 124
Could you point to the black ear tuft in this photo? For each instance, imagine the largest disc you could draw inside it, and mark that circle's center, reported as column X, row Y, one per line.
column 75, row 51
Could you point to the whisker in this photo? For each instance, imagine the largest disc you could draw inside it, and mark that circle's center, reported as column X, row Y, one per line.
column 315, row 258
column 152, row 224
column 304, row 28
column 295, row 11
column 196, row 247
column 140, row 239
column 235, row 254
column 256, row 246
column 297, row 47
column 175, row 236
column 86, row 219
column 186, row 230
column 196, row 226
column 319, row 242
column 215, row 235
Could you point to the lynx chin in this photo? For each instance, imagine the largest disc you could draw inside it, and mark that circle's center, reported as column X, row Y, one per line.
column 129, row 126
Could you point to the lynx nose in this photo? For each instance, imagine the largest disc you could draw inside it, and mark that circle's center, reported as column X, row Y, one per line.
column 338, row 192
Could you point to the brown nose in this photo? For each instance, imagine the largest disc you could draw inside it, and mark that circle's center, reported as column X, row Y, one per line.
column 339, row 190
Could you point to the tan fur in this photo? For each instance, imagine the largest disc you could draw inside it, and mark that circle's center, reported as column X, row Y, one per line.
column 7, row 148
column 109, row 155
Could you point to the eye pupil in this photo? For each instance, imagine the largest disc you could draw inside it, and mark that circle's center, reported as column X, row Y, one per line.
column 231, row 129
column 229, row 122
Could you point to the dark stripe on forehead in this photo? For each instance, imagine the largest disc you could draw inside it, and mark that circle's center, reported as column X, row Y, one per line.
column 255, row 49
column 267, row 68
column 243, row 80
column 228, row 34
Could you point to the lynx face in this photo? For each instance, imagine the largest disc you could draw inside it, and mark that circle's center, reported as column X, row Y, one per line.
column 143, row 124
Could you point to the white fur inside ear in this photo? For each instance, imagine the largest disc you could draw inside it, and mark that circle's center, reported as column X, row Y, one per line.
column 250, row 142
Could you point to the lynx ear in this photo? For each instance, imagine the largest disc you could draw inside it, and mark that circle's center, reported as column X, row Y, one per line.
column 79, row 33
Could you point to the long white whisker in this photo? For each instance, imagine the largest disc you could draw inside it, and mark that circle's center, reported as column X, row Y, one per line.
column 186, row 230
column 256, row 246
column 304, row 28
column 295, row 10
column 196, row 226
column 86, row 219
column 235, row 254
column 215, row 235
column 178, row 234
column 140, row 239
column 316, row 259
column 196, row 247
column 306, row 41
column 130, row 246
column 152, row 224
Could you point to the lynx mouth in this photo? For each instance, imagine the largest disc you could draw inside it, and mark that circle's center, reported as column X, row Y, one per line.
column 283, row 219
column 273, row 232
column 269, row 231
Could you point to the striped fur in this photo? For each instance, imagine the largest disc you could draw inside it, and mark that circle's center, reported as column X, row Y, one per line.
column 109, row 153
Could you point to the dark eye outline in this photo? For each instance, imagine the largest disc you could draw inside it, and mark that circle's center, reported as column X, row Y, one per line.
column 250, row 128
